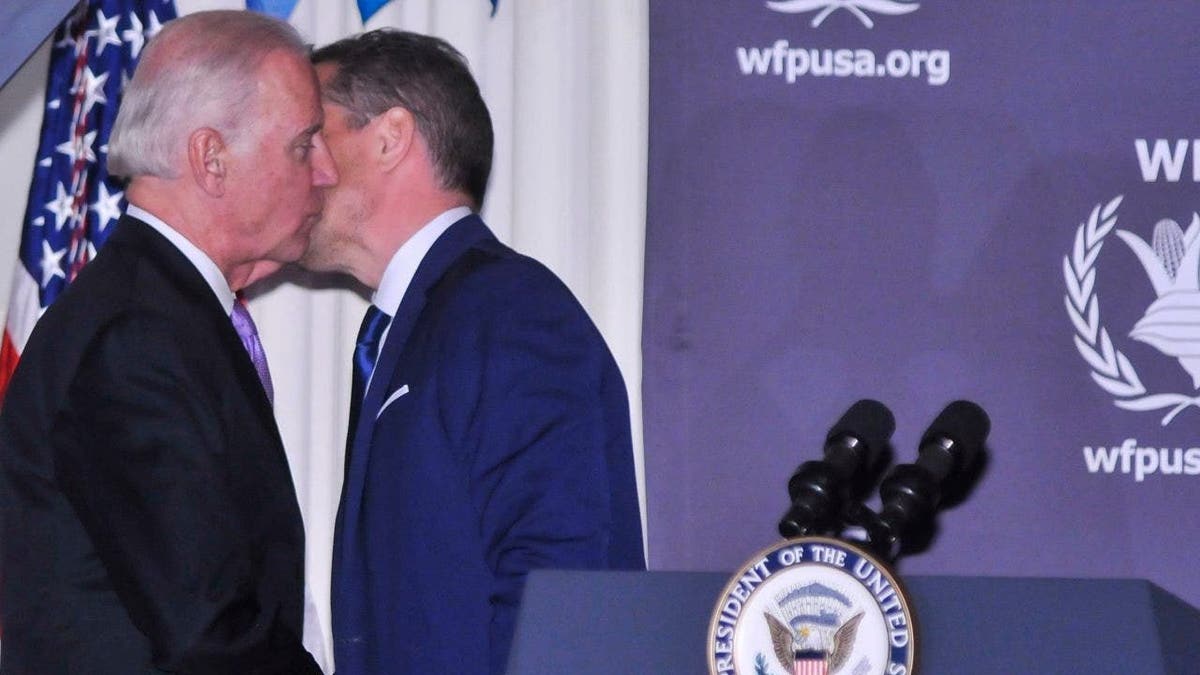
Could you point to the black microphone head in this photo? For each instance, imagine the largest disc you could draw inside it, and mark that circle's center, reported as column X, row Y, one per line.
column 960, row 430
column 963, row 422
column 856, row 440
column 868, row 420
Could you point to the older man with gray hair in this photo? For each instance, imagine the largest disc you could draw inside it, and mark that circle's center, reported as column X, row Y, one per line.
column 149, row 519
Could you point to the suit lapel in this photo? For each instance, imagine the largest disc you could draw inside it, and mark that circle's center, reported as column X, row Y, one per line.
column 152, row 246
column 453, row 243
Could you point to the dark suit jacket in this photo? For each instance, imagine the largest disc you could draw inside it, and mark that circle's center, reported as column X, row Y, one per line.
column 494, row 439
column 149, row 518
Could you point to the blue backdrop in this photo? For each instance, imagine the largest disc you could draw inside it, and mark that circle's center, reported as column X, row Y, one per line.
column 918, row 202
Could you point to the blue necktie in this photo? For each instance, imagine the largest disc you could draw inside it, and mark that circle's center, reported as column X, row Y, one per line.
column 366, row 350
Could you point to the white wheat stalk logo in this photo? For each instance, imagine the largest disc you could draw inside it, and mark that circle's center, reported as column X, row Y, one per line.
column 858, row 8
column 1171, row 324
column 1172, row 262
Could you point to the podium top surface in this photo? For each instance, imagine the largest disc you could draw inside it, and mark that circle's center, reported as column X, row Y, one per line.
column 656, row 622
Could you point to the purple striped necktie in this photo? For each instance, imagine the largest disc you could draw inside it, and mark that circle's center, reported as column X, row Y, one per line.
column 248, row 332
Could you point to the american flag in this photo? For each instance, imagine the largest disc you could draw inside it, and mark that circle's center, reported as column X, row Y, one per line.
column 72, row 201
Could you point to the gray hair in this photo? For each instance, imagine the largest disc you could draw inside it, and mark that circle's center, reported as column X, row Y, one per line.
column 199, row 71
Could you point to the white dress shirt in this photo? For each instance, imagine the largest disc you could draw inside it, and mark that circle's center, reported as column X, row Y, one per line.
column 401, row 269
column 403, row 265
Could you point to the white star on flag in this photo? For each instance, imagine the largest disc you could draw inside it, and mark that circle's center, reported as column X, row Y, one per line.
column 106, row 34
column 107, row 206
column 95, row 89
column 61, row 206
column 79, row 147
column 51, row 263
column 134, row 36
column 155, row 26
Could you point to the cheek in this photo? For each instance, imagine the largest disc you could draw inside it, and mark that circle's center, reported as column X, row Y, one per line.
column 349, row 156
column 273, row 180
column 339, row 153
column 297, row 180
column 355, row 202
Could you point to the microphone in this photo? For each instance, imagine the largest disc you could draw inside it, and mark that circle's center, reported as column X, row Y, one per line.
column 912, row 493
column 820, row 488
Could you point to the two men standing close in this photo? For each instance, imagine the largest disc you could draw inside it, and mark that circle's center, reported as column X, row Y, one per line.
column 143, row 480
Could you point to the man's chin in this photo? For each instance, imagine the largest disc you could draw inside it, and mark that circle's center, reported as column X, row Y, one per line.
column 261, row 270
column 314, row 259
column 320, row 252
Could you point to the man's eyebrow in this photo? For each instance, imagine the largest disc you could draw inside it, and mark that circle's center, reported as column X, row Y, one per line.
column 310, row 131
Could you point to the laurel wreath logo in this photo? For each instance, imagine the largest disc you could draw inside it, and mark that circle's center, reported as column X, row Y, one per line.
column 1109, row 367
column 855, row 7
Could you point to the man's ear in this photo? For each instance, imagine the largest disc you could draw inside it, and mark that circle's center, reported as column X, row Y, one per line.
column 397, row 132
column 207, row 156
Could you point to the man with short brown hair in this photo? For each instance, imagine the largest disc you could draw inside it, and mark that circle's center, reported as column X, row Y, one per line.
column 489, row 424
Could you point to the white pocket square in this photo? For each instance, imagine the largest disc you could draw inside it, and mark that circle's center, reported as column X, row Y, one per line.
column 392, row 399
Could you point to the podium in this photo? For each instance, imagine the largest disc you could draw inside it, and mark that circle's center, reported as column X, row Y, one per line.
column 656, row 623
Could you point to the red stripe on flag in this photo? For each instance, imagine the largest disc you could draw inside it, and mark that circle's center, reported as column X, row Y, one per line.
column 8, row 363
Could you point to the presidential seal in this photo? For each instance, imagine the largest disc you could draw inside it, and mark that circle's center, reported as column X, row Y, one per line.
column 812, row 606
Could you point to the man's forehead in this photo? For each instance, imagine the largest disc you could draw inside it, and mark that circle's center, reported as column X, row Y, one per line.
column 325, row 71
column 327, row 68
column 290, row 91
column 336, row 114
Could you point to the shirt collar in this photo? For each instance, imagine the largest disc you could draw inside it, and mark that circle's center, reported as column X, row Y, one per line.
column 199, row 259
column 403, row 266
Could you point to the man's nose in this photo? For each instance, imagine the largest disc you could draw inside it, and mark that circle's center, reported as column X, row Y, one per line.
column 324, row 171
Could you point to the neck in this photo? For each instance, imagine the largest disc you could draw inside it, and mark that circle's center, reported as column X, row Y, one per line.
column 387, row 237
column 199, row 223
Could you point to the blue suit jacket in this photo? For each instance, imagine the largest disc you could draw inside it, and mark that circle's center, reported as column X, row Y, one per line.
column 493, row 439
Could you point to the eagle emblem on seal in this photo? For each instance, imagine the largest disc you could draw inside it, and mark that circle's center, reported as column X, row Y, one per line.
column 794, row 648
